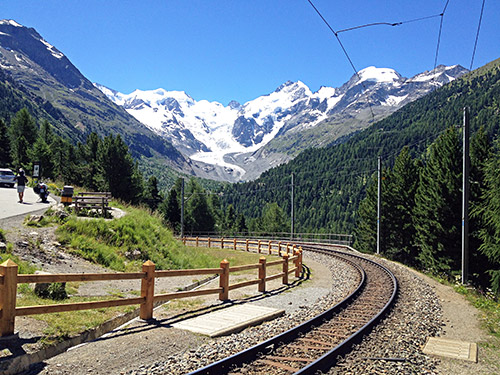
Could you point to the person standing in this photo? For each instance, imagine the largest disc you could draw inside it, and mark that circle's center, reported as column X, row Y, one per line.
column 21, row 184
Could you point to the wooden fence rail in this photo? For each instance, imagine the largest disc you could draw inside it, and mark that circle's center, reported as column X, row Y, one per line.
column 272, row 247
column 9, row 280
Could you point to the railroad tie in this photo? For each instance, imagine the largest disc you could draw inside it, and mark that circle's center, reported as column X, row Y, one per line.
column 278, row 365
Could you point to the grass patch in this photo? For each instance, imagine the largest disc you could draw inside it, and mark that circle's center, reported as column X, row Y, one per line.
column 183, row 304
column 24, row 267
column 61, row 326
column 124, row 244
column 490, row 309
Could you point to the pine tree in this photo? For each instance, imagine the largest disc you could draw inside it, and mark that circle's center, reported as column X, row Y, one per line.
column 489, row 211
column 240, row 226
column 5, row 158
column 120, row 174
column 366, row 228
column 152, row 194
column 60, row 158
column 400, row 198
column 480, row 153
column 438, row 212
column 23, row 133
column 41, row 152
column 170, row 209
column 229, row 220
column 274, row 219
column 199, row 219
column 215, row 206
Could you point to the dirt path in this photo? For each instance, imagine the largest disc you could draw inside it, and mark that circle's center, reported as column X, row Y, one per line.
column 461, row 321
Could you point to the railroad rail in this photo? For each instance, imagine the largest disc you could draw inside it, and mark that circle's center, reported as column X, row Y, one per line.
column 315, row 345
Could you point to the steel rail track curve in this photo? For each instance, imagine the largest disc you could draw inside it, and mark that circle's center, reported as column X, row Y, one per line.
column 319, row 341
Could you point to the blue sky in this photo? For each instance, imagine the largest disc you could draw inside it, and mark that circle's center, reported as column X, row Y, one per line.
column 220, row 50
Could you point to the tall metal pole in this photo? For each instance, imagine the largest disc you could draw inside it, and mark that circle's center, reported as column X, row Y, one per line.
column 465, row 198
column 292, row 213
column 182, row 209
column 379, row 199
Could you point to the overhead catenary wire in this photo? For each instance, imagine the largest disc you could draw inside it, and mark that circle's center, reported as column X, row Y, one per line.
column 399, row 23
column 345, row 53
column 477, row 35
column 439, row 34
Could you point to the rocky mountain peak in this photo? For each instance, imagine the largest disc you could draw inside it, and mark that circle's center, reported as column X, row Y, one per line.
column 15, row 38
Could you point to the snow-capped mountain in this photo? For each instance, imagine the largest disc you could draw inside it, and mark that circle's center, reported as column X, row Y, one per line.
column 234, row 137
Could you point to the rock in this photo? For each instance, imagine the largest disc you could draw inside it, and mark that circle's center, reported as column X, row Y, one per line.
column 22, row 243
column 35, row 218
column 55, row 291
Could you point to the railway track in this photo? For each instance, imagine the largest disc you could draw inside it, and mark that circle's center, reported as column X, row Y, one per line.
column 315, row 345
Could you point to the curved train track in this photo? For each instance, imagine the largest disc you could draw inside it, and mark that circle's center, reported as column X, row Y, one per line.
column 315, row 345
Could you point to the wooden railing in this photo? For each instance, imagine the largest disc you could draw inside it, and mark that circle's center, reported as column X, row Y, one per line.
column 9, row 280
column 258, row 246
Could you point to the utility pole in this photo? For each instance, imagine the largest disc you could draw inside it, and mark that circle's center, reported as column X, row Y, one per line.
column 182, row 209
column 292, row 213
column 465, row 198
column 379, row 199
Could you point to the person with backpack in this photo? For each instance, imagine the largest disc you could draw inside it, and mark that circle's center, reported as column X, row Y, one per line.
column 21, row 184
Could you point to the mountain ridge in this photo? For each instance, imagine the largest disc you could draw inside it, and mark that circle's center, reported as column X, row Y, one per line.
column 331, row 181
column 49, row 78
column 247, row 139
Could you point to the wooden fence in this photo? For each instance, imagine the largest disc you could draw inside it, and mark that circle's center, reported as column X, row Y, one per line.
column 259, row 246
column 9, row 279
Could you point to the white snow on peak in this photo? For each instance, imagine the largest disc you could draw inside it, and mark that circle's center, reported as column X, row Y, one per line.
column 52, row 49
column 325, row 92
column 10, row 22
column 208, row 126
column 393, row 100
column 379, row 75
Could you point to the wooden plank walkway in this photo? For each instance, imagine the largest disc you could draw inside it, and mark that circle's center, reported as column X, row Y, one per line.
column 229, row 320
column 451, row 349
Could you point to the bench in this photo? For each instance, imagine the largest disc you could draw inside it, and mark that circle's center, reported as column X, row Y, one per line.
column 94, row 200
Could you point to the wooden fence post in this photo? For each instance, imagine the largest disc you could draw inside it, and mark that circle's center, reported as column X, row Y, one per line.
column 262, row 274
column 222, row 242
column 300, row 260
column 269, row 249
column 297, row 267
column 234, row 244
column 285, row 268
column 197, row 240
column 258, row 247
column 209, row 241
column 147, row 290
column 8, row 290
column 224, row 280
column 184, row 240
column 246, row 245
column 279, row 248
